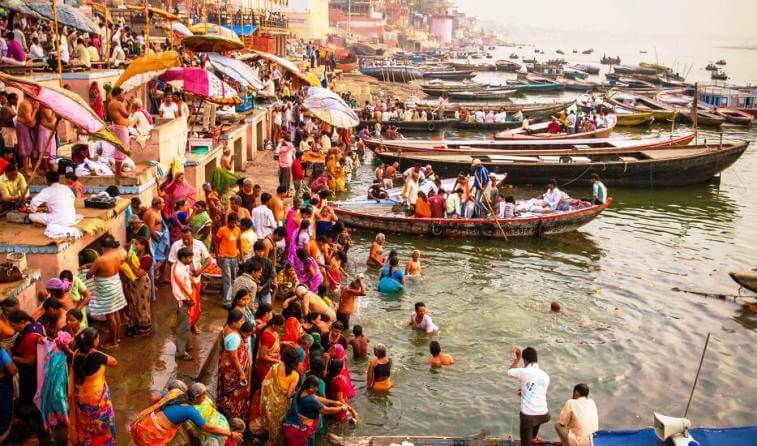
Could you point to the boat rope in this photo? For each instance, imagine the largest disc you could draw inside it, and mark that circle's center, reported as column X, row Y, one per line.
column 577, row 178
column 696, row 378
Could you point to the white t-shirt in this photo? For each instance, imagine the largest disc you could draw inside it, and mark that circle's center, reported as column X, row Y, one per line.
column 263, row 221
column 533, row 389
column 199, row 253
column 60, row 204
column 426, row 324
column 169, row 111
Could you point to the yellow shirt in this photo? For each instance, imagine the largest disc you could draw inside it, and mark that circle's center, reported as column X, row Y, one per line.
column 93, row 55
column 82, row 54
column 580, row 416
column 11, row 189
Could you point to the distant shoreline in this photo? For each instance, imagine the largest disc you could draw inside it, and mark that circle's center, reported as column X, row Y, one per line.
column 739, row 47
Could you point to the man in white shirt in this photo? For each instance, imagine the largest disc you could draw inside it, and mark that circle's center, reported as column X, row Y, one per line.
column 35, row 50
column 200, row 254
column 262, row 218
column 420, row 320
column 181, row 286
column 59, row 200
column 553, row 196
column 533, row 393
column 579, row 418
column 452, row 205
column 168, row 109
column 269, row 89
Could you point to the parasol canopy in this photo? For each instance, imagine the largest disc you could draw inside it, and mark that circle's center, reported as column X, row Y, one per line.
column 18, row 6
column 207, row 43
column 155, row 11
column 288, row 65
column 201, row 82
column 181, row 29
column 331, row 108
column 67, row 15
column 68, row 106
column 212, row 29
column 145, row 68
column 237, row 70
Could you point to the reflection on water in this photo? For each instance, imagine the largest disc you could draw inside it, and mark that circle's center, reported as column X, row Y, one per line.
column 623, row 330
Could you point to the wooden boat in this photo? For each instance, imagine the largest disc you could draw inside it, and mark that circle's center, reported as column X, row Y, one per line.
column 560, row 52
column 439, row 88
column 474, row 67
column 527, row 86
column 718, row 75
column 735, row 116
column 475, row 147
column 589, row 69
column 660, row 167
column 573, row 73
column 624, row 69
column 393, row 73
column 507, row 66
column 642, row 104
column 747, row 279
column 720, row 62
column 487, row 126
column 633, row 119
column 589, row 51
column 576, row 85
column 539, row 131
column 532, row 60
column 683, row 105
column 513, row 56
column 379, row 215
column 535, row 110
column 609, row 60
column 711, row 67
column 486, row 94
column 633, row 82
column 452, row 75
column 413, row 126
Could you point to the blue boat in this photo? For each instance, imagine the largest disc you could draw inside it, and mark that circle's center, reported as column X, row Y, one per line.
column 392, row 73
column 525, row 86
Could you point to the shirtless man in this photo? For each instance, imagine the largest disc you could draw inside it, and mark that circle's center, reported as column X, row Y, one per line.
column 46, row 145
column 108, row 296
column 153, row 218
column 413, row 267
column 387, row 182
column 313, row 302
column 347, row 301
column 25, row 123
column 438, row 358
column 120, row 116
column 376, row 256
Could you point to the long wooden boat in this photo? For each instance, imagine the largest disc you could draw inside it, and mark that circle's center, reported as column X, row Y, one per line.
column 527, row 146
column 633, row 119
column 474, row 67
column 643, row 104
column 683, row 104
column 392, row 73
column 452, row 75
column 735, row 116
column 536, row 110
column 539, row 131
column 527, row 86
column 438, row 88
column 413, row 126
column 487, row 126
column 378, row 215
column 507, row 66
column 591, row 69
column 487, row 94
column 747, row 279
column 661, row 167
column 578, row 85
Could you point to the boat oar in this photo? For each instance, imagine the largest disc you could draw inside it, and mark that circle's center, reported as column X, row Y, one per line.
column 491, row 209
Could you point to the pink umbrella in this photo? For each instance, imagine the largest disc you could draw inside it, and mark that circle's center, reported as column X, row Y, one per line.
column 201, row 82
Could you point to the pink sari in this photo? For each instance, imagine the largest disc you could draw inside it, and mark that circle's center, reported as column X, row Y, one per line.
column 175, row 192
column 122, row 132
column 49, row 151
column 340, row 354
column 25, row 138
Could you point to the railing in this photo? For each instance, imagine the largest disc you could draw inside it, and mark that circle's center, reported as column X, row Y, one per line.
column 246, row 18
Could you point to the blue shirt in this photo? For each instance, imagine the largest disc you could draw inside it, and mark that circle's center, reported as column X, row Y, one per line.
column 599, row 191
column 179, row 413
column 5, row 358
column 481, row 177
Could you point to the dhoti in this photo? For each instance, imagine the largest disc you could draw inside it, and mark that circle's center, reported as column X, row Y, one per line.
column 46, row 144
column 9, row 137
column 107, row 297
column 122, row 132
column 25, row 139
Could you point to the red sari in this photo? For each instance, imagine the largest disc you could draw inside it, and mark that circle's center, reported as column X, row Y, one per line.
column 271, row 341
column 234, row 399
column 176, row 191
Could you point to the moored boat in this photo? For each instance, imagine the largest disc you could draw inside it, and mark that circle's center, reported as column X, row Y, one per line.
column 535, row 110
column 735, row 116
column 642, row 104
column 413, row 126
column 711, row 67
column 609, row 60
column 487, row 126
column 507, row 66
column 589, row 69
column 392, row 73
column 453, row 75
column 747, row 279
column 485, row 94
column 379, row 215
column 539, row 131
column 660, row 167
column 633, row 119
column 719, row 75
column 526, row 86
column 720, row 62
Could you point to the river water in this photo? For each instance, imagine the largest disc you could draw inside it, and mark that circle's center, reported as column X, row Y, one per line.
column 623, row 329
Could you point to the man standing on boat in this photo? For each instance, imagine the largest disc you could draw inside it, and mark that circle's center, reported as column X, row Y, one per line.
column 480, row 184
column 598, row 190
column 533, row 393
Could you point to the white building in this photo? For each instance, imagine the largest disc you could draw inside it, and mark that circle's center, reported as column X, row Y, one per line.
column 308, row 19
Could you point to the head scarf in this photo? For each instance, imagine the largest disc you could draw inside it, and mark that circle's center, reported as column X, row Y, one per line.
column 58, row 284
column 88, row 256
column 292, row 330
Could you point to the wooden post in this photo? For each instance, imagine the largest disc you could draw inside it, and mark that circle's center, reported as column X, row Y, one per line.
column 147, row 27
column 57, row 44
column 107, row 36
column 205, row 15
column 694, row 107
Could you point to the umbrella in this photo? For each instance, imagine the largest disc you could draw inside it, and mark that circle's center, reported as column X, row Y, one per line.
column 155, row 11
column 68, row 106
column 211, row 29
column 286, row 64
column 145, row 68
column 67, row 15
column 18, row 6
column 201, row 82
column 181, row 29
column 237, row 70
column 211, row 44
column 331, row 108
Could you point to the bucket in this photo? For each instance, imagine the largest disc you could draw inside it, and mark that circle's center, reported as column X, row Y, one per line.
column 18, row 259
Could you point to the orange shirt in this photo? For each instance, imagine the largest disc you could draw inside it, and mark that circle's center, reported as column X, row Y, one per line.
column 228, row 241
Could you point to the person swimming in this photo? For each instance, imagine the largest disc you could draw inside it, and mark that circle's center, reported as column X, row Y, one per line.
column 438, row 359
column 413, row 267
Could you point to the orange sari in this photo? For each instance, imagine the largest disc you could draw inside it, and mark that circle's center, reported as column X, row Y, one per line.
column 422, row 208
column 91, row 419
column 151, row 427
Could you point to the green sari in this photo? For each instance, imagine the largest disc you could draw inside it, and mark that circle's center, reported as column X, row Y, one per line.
column 198, row 223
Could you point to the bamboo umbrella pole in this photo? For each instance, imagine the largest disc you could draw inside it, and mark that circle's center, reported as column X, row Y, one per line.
column 170, row 24
column 40, row 158
column 189, row 13
column 107, row 36
column 57, row 44
column 147, row 27
column 205, row 15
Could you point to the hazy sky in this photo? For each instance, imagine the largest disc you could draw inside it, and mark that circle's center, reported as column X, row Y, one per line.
column 727, row 18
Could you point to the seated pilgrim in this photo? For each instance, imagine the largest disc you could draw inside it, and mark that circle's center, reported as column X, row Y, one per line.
column 98, row 158
column 59, row 203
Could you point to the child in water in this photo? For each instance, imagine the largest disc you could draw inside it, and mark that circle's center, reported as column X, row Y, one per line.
column 359, row 343
column 438, row 358
column 413, row 267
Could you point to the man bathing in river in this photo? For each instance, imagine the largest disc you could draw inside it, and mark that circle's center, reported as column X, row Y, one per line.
column 413, row 267
column 420, row 320
column 376, row 256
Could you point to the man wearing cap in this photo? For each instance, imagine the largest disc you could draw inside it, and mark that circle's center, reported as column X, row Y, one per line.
column 12, row 185
column 480, row 184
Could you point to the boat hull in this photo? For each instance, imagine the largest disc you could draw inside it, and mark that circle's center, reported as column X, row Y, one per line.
column 634, row 119
column 414, row 126
column 655, row 172
column 546, row 224
column 735, row 116
column 487, row 126
column 747, row 279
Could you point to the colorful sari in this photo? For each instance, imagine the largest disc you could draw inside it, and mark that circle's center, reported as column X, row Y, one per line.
column 25, row 345
column 274, row 403
column 233, row 398
column 292, row 331
column 341, row 354
column 298, row 429
column 188, row 431
column 92, row 421
column 309, row 273
column 176, row 191
column 53, row 398
column 162, row 246
column 139, row 292
column 270, row 340
column 222, row 180
column 198, row 223
column 151, row 427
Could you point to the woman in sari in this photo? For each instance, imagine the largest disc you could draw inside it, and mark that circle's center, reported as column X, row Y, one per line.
column 158, row 424
column 24, row 355
column 422, row 206
column 7, row 371
column 335, row 172
column 91, row 416
column 175, row 189
column 298, row 239
column 234, row 369
column 337, row 390
column 338, row 353
column 139, row 291
column 276, row 393
column 268, row 349
column 391, row 277
column 53, row 398
column 303, row 419
column 380, row 370
column 292, row 332
column 308, row 270
column 202, row 224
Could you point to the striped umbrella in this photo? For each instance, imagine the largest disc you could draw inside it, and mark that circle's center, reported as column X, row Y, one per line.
column 237, row 70
column 67, row 15
column 330, row 107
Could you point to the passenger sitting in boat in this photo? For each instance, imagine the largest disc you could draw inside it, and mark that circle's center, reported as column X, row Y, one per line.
column 526, row 125
column 489, row 117
column 422, row 206
column 553, row 196
column 469, row 207
column 463, row 114
column 438, row 203
column 571, row 122
column 453, row 203
column 424, row 116
column 376, row 192
column 554, row 126
column 587, row 126
column 563, row 118
column 506, row 207
column 518, row 116
column 480, row 116
column 501, row 117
